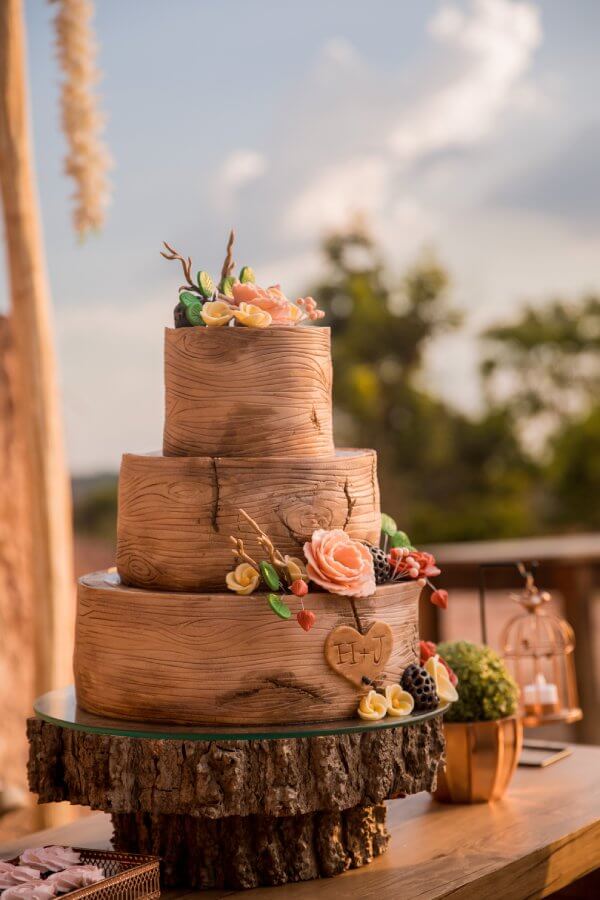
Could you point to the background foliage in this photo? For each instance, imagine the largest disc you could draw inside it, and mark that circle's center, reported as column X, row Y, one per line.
column 485, row 688
column 528, row 463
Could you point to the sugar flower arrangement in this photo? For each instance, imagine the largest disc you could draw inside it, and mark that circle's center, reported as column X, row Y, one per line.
column 334, row 562
column 235, row 300
column 397, row 560
column 281, row 575
column 422, row 688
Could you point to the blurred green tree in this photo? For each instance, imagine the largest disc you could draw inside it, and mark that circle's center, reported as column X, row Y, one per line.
column 573, row 475
column 543, row 370
column 545, row 365
column 442, row 474
column 95, row 507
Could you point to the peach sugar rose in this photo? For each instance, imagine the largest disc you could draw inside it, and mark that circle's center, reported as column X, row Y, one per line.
column 271, row 300
column 340, row 564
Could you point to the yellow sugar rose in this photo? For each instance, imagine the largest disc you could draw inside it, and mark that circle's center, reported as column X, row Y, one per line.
column 400, row 703
column 373, row 706
column 443, row 686
column 252, row 316
column 217, row 312
column 243, row 580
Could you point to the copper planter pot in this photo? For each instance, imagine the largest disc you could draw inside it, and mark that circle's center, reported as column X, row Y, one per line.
column 481, row 758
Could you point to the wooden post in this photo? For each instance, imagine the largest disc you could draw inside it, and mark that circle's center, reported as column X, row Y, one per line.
column 17, row 664
column 577, row 584
column 49, row 506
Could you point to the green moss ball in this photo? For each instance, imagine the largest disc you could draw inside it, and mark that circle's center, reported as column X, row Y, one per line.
column 485, row 688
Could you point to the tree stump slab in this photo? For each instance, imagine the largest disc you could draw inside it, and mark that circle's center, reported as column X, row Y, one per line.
column 294, row 808
column 269, row 850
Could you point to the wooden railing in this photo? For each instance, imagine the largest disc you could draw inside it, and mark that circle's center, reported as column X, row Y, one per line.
column 568, row 565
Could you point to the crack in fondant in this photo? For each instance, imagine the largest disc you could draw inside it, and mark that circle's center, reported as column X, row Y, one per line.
column 215, row 511
column 351, row 503
column 276, row 683
column 315, row 419
column 356, row 616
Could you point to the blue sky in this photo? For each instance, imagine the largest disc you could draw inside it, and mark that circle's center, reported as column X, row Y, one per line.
column 467, row 126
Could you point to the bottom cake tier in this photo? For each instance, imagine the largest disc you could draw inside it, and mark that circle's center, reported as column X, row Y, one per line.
column 224, row 659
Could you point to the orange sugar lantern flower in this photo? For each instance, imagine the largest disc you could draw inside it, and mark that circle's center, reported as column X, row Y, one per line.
column 440, row 598
column 306, row 619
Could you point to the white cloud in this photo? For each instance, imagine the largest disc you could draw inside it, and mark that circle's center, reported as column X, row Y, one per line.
column 480, row 74
column 240, row 168
column 336, row 193
column 112, row 379
column 496, row 43
column 340, row 51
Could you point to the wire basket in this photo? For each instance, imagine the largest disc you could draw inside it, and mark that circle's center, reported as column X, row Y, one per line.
column 129, row 876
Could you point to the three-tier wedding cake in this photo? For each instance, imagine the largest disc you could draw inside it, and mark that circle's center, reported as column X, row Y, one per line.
column 251, row 587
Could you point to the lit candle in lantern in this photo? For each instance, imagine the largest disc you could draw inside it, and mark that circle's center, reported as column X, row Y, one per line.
column 541, row 696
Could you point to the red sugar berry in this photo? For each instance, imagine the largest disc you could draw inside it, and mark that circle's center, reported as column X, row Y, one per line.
column 306, row 619
column 427, row 649
column 299, row 587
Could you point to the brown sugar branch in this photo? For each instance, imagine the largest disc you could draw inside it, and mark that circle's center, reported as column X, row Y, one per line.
column 265, row 542
column 240, row 553
column 228, row 264
column 186, row 264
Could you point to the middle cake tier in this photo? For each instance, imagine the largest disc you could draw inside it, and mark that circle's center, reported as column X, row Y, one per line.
column 177, row 514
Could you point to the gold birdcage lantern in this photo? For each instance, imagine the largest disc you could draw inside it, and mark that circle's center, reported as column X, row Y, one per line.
column 538, row 647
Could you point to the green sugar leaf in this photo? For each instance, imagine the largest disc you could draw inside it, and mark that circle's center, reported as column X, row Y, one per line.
column 269, row 575
column 188, row 298
column 247, row 275
column 206, row 284
column 388, row 526
column 192, row 313
column 401, row 539
column 279, row 607
column 226, row 285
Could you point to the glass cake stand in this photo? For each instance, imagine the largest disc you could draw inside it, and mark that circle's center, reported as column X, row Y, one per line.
column 60, row 708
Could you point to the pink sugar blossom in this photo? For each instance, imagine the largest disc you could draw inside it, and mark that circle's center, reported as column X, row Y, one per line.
column 340, row 564
column 271, row 300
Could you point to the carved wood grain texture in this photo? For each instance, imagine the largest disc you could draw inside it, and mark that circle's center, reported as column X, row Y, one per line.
column 176, row 514
column 248, row 392
column 224, row 659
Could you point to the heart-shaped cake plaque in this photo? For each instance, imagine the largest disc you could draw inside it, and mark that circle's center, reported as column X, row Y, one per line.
column 356, row 656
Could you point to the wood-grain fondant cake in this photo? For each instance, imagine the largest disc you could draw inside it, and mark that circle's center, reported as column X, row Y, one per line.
column 257, row 581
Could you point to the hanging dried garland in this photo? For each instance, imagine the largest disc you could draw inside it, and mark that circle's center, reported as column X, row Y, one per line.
column 87, row 161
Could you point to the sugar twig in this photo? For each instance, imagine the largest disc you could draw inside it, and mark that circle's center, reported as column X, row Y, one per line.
column 240, row 553
column 265, row 542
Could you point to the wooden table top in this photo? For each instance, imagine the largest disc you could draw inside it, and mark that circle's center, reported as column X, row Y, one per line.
column 541, row 836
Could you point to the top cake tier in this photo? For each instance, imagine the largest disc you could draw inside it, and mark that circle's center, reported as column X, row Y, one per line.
column 248, row 392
